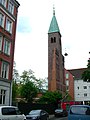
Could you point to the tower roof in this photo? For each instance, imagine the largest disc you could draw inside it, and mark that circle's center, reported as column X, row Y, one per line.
column 53, row 25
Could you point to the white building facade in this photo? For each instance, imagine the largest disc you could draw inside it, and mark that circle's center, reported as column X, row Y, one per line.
column 81, row 90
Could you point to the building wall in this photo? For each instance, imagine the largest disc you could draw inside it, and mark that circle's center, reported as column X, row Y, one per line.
column 81, row 90
column 69, row 84
column 56, row 79
column 8, row 21
column 6, row 86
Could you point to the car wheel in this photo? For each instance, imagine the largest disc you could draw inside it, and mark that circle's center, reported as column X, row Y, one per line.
column 47, row 118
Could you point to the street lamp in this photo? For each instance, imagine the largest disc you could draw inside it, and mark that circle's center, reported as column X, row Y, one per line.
column 66, row 54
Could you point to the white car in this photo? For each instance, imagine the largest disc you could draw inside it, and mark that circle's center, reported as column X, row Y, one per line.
column 11, row 113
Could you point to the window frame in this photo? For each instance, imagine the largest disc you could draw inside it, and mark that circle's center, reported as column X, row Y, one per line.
column 67, row 82
column 3, row 2
column 11, row 7
column 85, row 94
column 2, row 19
column 9, row 25
column 85, row 87
column 78, row 87
column 1, row 37
column 67, row 75
column 2, row 96
column 5, row 70
column 7, row 46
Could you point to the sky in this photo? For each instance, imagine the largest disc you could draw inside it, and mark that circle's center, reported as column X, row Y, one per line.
column 31, row 46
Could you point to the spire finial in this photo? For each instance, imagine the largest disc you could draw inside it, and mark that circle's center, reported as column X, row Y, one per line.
column 53, row 10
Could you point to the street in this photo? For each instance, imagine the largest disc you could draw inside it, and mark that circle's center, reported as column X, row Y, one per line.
column 58, row 118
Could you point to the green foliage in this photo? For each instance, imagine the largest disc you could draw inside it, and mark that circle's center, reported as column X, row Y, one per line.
column 88, row 66
column 28, row 90
column 27, row 85
column 14, row 90
column 27, row 76
column 41, row 84
column 16, row 76
column 86, row 74
column 16, row 79
column 50, row 97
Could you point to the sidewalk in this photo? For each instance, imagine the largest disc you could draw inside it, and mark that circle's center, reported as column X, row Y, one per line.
column 51, row 116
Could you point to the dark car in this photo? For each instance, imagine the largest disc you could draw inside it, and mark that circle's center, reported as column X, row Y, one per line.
column 37, row 115
column 79, row 112
column 60, row 113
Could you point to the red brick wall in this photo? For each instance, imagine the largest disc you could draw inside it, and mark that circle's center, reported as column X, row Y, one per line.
column 71, row 84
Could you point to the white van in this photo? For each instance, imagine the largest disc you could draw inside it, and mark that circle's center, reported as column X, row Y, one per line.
column 11, row 113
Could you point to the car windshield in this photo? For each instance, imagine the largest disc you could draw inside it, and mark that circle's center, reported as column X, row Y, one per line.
column 80, row 110
column 60, row 110
column 34, row 112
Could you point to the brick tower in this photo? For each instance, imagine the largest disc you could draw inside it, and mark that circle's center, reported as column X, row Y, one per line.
column 56, row 79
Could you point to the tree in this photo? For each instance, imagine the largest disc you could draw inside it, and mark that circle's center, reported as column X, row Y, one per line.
column 50, row 97
column 28, row 90
column 15, row 81
column 41, row 84
column 86, row 74
column 16, row 76
column 14, row 90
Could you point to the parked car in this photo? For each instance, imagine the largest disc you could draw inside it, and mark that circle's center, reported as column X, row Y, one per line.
column 79, row 112
column 60, row 112
column 37, row 115
column 11, row 113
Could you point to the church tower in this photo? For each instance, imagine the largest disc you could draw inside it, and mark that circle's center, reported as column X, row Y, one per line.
column 56, row 79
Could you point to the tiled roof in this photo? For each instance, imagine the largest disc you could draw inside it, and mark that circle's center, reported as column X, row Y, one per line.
column 77, row 73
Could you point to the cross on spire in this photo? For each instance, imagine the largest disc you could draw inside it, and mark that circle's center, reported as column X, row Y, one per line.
column 53, row 10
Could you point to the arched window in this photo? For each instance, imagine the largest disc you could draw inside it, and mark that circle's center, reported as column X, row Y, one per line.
column 51, row 40
column 54, row 39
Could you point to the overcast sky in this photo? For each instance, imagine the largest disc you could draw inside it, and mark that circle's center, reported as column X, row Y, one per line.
column 34, row 17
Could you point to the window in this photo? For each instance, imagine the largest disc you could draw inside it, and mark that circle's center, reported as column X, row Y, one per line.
column 67, row 75
column 0, row 43
column 7, row 46
column 67, row 88
column 3, row 2
column 79, row 110
column 85, row 94
column 85, row 87
column 4, row 70
column 10, row 111
column 2, row 96
column 2, row 20
column 8, row 25
column 78, row 88
column 53, row 40
column 10, row 7
column 67, row 82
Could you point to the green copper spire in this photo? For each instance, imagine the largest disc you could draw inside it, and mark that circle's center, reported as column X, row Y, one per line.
column 54, row 25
